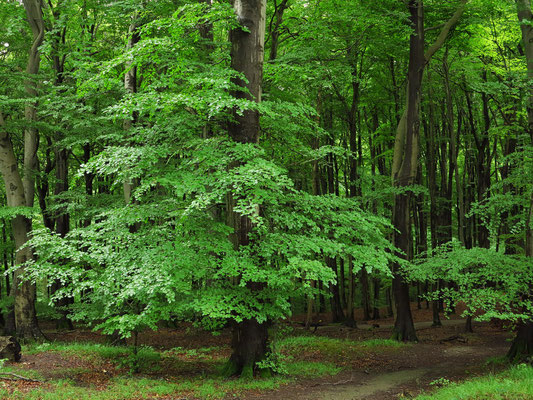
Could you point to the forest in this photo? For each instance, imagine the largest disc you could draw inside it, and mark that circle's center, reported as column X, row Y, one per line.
column 237, row 198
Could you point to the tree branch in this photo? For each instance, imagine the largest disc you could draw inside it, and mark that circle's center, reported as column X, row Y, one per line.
column 445, row 30
column 23, row 378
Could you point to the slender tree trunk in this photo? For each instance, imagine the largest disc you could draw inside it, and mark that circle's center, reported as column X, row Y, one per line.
column 337, row 313
column 354, row 184
column 483, row 162
column 130, row 85
column 375, row 302
column 316, row 191
column 60, row 219
column 390, row 307
column 350, row 318
column 62, row 224
column 206, row 29
column 275, row 27
column 342, row 283
column 43, row 187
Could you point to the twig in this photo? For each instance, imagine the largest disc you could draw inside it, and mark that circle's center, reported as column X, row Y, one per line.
column 19, row 377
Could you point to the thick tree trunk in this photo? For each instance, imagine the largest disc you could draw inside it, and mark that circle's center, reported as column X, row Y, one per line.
column 405, row 160
column 250, row 338
column 365, row 294
column 21, row 192
column 405, row 165
column 249, row 345
column 247, row 54
column 337, row 313
column 522, row 346
column 404, row 329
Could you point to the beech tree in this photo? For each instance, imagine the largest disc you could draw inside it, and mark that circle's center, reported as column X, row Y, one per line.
column 179, row 176
column 522, row 346
column 20, row 188
column 406, row 150
column 247, row 55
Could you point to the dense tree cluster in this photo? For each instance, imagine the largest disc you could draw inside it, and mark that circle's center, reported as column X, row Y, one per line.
column 233, row 162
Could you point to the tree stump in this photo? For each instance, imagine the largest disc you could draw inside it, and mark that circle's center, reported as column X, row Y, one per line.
column 9, row 348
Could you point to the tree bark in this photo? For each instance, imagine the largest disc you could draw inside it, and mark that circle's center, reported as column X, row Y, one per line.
column 522, row 346
column 525, row 16
column 20, row 192
column 375, row 308
column 365, row 294
column 350, row 318
column 404, row 172
column 250, row 338
column 405, row 160
column 337, row 313
column 275, row 24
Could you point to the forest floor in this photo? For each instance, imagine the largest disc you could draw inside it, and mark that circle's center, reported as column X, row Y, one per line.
column 335, row 362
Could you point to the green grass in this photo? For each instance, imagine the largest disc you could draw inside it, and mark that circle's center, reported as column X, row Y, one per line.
column 143, row 388
column 312, row 369
column 91, row 349
column 147, row 357
column 513, row 384
column 330, row 346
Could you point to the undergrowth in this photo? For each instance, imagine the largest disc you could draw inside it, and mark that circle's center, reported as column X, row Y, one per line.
column 514, row 384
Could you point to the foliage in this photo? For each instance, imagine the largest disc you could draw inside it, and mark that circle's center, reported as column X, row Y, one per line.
column 490, row 283
column 316, row 187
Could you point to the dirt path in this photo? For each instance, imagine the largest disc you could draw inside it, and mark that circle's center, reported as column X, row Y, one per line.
column 381, row 383
column 411, row 370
